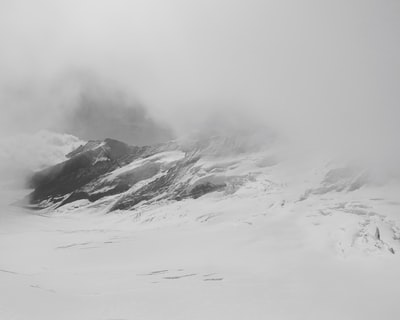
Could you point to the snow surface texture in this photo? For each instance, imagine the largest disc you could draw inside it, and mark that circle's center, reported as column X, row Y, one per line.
column 286, row 239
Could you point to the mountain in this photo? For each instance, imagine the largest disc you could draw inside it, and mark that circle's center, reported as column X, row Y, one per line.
column 241, row 178
column 228, row 226
column 110, row 167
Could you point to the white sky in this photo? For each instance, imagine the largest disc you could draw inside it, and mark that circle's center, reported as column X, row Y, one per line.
column 327, row 72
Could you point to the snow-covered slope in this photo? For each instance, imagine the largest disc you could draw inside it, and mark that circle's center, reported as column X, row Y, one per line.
column 182, row 182
column 184, row 231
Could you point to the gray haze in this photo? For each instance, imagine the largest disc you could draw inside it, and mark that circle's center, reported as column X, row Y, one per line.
column 101, row 112
column 324, row 73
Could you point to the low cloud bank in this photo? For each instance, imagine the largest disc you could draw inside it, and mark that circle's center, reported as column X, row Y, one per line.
column 323, row 74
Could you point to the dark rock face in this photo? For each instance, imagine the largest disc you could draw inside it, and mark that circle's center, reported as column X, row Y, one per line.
column 207, row 187
column 67, row 176
column 62, row 182
column 110, row 167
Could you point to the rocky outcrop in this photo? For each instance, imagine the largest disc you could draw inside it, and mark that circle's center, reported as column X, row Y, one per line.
column 136, row 174
column 63, row 182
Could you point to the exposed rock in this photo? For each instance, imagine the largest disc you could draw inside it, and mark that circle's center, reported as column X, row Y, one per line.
column 377, row 234
column 110, row 167
column 204, row 188
column 86, row 164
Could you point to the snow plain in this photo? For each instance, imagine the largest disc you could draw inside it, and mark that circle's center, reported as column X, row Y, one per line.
column 262, row 251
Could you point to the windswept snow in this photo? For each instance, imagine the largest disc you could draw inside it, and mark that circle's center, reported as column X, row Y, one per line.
column 164, row 158
column 286, row 239
column 215, row 257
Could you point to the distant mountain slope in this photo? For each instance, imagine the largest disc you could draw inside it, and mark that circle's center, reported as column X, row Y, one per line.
column 223, row 178
column 102, row 168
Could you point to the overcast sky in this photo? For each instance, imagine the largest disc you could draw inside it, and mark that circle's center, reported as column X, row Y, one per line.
column 326, row 72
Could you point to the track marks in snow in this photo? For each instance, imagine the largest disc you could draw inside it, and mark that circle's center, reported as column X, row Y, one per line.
column 177, row 274
column 8, row 271
column 90, row 244
column 212, row 277
column 206, row 217
column 36, row 286
column 153, row 273
column 180, row 276
column 73, row 245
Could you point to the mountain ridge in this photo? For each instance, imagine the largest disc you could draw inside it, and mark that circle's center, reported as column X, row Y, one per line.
column 224, row 176
column 83, row 174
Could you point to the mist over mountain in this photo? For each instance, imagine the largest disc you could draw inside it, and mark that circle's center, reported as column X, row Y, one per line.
column 100, row 115
column 23, row 154
column 293, row 66
column 199, row 159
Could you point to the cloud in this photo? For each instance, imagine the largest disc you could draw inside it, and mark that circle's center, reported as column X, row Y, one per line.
column 102, row 113
column 324, row 73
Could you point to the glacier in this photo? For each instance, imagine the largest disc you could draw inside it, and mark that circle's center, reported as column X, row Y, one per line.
column 211, row 229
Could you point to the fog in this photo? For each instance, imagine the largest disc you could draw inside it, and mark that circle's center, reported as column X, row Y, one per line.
column 307, row 229
column 325, row 74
